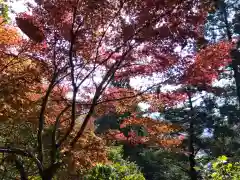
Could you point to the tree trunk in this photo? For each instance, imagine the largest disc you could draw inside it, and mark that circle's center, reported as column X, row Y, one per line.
column 49, row 173
column 191, row 158
column 20, row 167
column 235, row 63
column 236, row 77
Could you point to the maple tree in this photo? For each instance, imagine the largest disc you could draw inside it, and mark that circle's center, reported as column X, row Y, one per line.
column 208, row 62
column 211, row 119
column 125, row 124
column 84, row 45
column 211, row 62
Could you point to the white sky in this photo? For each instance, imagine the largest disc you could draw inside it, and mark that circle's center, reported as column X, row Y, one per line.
column 18, row 7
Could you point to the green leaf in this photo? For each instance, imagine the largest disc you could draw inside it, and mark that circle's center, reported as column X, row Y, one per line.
column 197, row 168
column 215, row 164
column 229, row 165
column 223, row 158
column 214, row 175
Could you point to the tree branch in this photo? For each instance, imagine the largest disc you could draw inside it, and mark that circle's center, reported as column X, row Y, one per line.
column 24, row 153
column 20, row 168
column 54, row 144
column 41, row 118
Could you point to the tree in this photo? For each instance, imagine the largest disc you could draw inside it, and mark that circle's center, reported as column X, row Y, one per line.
column 224, row 123
column 80, row 41
column 223, row 27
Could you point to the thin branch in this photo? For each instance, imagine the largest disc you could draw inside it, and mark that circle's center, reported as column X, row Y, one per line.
column 75, row 87
column 14, row 57
column 54, row 144
column 104, row 33
column 4, row 21
column 119, row 47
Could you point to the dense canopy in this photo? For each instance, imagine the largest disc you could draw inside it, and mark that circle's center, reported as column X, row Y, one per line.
column 120, row 89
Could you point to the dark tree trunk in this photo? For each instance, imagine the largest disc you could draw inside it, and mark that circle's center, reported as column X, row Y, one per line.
column 235, row 62
column 20, row 167
column 235, row 65
column 49, row 173
column 191, row 157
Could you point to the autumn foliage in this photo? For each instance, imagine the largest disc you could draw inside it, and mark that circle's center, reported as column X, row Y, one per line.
column 80, row 47
column 19, row 76
column 209, row 62
column 157, row 133
column 118, row 100
column 90, row 150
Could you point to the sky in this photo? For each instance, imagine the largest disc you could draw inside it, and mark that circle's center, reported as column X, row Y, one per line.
column 18, row 7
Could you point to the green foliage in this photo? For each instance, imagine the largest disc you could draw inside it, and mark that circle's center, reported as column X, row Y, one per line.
column 115, row 171
column 34, row 177
column 109, row 121
column 158, row 164
column 4, row 10
column 120, row 169
column 115, row 154
column 38, row 178
column 223, row 169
